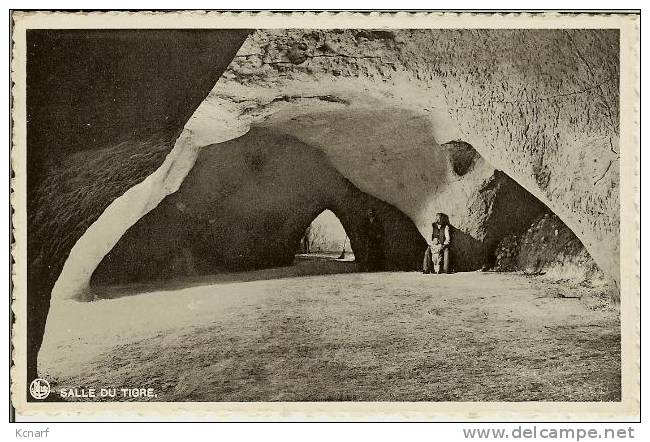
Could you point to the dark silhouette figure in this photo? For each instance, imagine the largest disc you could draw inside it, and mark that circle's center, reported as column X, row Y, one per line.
column 304, row 241
column 373, row 259
column 437, row 256
column 342, row 255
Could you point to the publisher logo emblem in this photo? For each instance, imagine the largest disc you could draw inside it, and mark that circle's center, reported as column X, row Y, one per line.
column 39, row 388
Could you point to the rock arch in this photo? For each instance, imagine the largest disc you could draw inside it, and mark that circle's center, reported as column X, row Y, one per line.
column 245, row 205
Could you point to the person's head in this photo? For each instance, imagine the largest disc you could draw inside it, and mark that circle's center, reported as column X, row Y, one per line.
column 441, row 219
column 436, row 241
column 372, row 216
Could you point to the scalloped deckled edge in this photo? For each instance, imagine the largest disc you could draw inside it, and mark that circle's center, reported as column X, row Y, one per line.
column 630, row 246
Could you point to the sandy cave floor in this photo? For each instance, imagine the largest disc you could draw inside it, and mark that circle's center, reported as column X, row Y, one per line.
column 389, row 336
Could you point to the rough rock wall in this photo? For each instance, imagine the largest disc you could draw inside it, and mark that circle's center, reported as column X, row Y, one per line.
column 246, row 204
column 497, row 207
column 103, row 111
column 547, row 247
column 540, row 105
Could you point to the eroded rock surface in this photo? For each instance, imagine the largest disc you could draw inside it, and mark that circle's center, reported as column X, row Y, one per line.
column 540, row 105
column 548, row 247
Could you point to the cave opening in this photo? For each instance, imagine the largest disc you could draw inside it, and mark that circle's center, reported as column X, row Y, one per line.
column 325, row 238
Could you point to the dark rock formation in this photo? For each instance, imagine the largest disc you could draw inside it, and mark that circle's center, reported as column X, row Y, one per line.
column 546, row 246
column 103, row 110
column 462, row 156
column 496, row 208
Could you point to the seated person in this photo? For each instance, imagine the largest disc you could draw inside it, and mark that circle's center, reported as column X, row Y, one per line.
column 438, row 250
